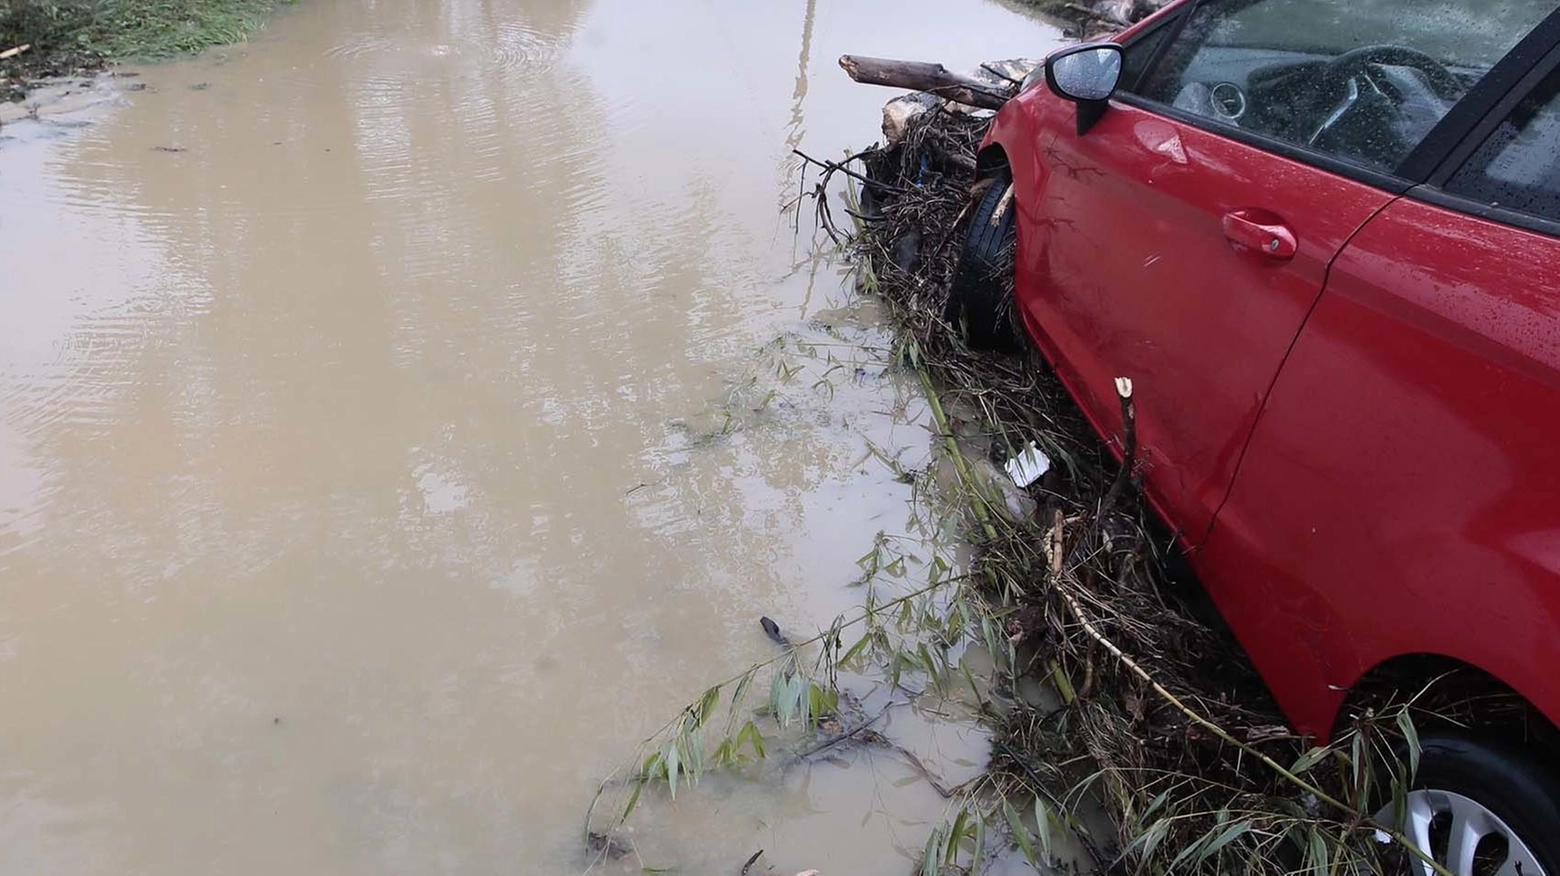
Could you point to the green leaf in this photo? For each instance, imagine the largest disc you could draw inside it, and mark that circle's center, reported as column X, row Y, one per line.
column 1152, row 837
column 633, row 800
column 740, row 690
column 673, row 762
column 754, row 738
column 1361, row 767
column 707, row 704
column 1229, row 835
column 855, row 650
column 956, row 835
column 1158, row 801
column 1405, row 723
column 1308, row 760
column 1320, row 861
column 927, row 661
column 780, row 700
column 1063, row 685
column 1020, row 833
column 1191, row 850
column 980, row 845
column 1043, row 823
column 931, row 859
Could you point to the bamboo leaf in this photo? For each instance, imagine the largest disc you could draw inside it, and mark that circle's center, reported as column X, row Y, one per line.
column 1405, row 723
column 1361, row 767
column 931, row 859
column 673, row 761
column 1020, row 833
column 1152, row 837
column 695, row 755
column 1043, row 824
column 754, row 738
column 1229, row 835
column 855, row 650
column 780, row 701
column 956, row 835
column 707, row 704
column 1191, row 850
column 980, row 845
column 1320, row 861
column 633, row 800
column 1158, row 801
column 1063, row 684
column 1308, row 760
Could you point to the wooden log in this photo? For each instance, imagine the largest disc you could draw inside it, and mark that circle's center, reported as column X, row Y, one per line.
column 923, row 76
column 13, row 52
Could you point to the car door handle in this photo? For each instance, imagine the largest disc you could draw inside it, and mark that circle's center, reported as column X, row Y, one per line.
column 1249, row 229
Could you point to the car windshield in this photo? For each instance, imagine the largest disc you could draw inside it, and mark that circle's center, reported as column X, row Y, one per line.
column 1466, row 33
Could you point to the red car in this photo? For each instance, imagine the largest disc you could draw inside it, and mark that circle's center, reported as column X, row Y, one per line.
column 1322, row 237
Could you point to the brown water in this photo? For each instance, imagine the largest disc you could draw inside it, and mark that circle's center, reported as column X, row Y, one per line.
column 387, row 439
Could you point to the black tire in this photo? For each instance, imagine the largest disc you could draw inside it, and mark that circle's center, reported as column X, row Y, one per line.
column 1512, row 784
column 981, row 298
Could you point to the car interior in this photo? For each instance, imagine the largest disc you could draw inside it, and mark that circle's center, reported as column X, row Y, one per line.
column 1371, row 105
column 1358, row 81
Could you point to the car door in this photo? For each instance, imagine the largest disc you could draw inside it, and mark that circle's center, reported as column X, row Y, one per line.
column 1187, row 234
column 1398, row 496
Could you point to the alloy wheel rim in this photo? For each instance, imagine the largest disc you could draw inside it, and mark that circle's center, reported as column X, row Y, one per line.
column 1462, row 835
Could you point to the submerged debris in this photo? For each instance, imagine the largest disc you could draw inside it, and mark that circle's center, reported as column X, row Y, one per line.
column 1161, row 717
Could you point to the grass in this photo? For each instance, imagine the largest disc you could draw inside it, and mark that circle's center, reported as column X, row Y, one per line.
column 86, row 33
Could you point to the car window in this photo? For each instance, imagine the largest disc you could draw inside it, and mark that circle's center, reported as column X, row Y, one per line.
column 1360, row 80
column 1140, row 53
column 1518, row 167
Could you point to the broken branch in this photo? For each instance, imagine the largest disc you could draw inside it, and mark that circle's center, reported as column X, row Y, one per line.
column 1128, row 443
column 923, row 76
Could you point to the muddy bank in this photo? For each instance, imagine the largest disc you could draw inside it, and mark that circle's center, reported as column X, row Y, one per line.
column 45, row 44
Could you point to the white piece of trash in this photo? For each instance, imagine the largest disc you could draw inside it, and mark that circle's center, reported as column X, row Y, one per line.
column 1028, row 465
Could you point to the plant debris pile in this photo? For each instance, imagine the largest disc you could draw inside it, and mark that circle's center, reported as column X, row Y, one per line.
column 1160, row 715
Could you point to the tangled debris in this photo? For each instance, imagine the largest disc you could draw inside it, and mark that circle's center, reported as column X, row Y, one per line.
column 1160, row 716
column 1154, row 714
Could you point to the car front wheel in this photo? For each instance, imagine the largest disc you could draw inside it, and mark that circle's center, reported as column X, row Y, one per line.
column 1482, row 809
column 981, row 298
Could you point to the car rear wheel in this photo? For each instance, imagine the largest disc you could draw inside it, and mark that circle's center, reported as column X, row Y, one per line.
column 982, row 295
column 1482, row 809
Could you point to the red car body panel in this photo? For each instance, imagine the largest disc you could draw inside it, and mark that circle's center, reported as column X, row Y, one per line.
column 1162, row 296
column 1399, row 493
column 1352, row 441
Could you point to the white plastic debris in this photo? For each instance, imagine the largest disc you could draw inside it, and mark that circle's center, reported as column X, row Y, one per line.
column 1028, row 465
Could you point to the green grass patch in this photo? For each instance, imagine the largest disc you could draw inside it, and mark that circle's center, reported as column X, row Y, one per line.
column 78, row 31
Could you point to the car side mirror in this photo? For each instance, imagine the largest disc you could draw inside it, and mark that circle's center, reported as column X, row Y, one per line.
column 1086, row 75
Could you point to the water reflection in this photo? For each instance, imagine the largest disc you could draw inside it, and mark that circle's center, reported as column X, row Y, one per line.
column 330, row 370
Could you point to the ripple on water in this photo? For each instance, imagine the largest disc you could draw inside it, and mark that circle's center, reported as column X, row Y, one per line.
column 502, row 47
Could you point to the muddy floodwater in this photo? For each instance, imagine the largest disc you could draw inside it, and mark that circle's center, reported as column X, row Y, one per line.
column 404, row 413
